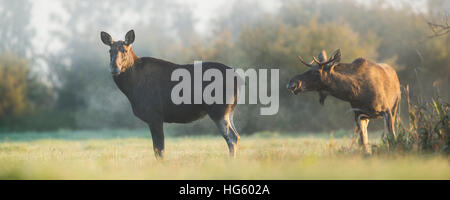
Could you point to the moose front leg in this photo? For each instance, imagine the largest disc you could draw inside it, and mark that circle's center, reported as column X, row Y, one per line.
column 362, row 122
column 157, row 131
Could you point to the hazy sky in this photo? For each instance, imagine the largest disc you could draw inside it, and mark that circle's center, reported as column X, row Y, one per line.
column 204, row 12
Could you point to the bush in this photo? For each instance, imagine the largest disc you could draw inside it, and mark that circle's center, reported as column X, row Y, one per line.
column 22, row 96
column 13, row 86
column 427, row 130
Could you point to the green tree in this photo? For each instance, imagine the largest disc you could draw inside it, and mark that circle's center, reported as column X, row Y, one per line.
column 14, row 73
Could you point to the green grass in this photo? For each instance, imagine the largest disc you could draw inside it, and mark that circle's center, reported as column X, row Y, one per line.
column 129, row 155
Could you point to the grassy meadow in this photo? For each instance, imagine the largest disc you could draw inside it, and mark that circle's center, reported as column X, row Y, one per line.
column 123, row 154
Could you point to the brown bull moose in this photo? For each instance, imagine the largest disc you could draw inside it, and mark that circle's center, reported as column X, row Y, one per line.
column 147, row 84
column 372, row 89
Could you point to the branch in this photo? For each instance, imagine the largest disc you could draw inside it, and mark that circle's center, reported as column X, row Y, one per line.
column 441, row 28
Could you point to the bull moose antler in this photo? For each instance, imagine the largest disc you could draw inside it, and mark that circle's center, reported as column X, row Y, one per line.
column 336, row 57
column 323, row 63
column 307, row 64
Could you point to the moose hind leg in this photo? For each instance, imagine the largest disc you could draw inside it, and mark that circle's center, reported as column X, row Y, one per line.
column 389, row 121
column 235, row 134
column 225, row 129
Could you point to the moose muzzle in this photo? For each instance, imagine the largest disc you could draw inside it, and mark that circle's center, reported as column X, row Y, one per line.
column 294, row 87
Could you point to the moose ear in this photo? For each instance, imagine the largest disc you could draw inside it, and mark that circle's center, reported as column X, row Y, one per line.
column 106, row 38
column 129, row 37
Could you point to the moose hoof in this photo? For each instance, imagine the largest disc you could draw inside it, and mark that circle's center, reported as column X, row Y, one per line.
column 367, row 152
column 159, row 154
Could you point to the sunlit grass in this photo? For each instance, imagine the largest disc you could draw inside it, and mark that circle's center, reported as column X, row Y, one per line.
column 129, row 155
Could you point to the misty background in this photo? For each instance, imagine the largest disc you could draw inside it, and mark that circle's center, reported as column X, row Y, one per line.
column 54, row 68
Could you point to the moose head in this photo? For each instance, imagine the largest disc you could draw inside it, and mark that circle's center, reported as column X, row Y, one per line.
column 121, row 54
column 313, row 79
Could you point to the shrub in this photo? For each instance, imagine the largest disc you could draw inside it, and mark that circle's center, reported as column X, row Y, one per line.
column 427, row 130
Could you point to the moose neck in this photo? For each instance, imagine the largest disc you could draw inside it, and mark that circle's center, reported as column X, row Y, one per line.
column 124, row 81
column 132, row 58
column 340, row 86
column 127, row 79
